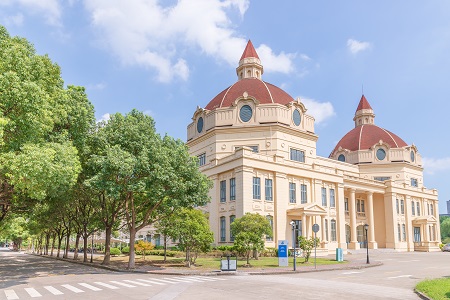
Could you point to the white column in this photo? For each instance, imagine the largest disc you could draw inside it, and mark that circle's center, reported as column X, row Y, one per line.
column 352, row 208
column 372, row 243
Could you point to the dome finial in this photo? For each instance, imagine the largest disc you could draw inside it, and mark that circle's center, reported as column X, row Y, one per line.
column 249, row 64
column 364, row 113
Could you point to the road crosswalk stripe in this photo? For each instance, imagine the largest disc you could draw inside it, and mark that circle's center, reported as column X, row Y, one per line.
column 109, row 286
column 207, row 278
column 123, row 284
column 138, row 283
column 166, row 281
column 151, row 281
column 11, row 295
column 179, row 280
column 91, row 287
column 72, row 288
column 53, row 290
column 32, row 292
column 188, row 279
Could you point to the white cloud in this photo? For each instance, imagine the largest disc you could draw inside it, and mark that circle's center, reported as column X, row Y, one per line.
column 97, row 86
column 355, row 46
column 321, row 111
column 49, row 9
column 433, row 165
column 105, row 117
column 148, row 34
column 15, row 20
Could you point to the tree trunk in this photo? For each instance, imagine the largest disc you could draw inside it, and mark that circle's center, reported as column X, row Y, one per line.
column 53, row 243
column 77, row 244
column 85, row 245
column 66, row 250
column 107, row 258
column 47, row 243
column 60, row 237
column 132, row 257
column 165, row 248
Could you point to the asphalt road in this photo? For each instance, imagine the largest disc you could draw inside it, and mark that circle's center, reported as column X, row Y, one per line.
column 25, row 276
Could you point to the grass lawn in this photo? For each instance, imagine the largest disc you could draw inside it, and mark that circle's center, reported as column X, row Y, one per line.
column 214, row 262
column 436, row 289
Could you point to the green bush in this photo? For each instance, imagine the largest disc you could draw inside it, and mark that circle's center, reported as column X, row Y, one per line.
column 126, row 250
column 115, row 251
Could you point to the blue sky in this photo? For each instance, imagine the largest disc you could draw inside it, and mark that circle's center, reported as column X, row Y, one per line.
column 167, row 57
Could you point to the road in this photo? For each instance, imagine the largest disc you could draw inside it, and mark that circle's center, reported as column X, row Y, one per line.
column 25, row 277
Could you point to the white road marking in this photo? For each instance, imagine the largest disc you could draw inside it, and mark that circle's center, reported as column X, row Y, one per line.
column 91, row 287
column 109, row 286
column 138, row 283
column 123, row 284
column 407, row 261
column 188, row 279
column 203, row 278
column 179, row 280
column 400, row 276
column 72, row 288
column 32, row 292
column 53, row 290
column 11, row 295
column 166, row 281
column 352, row 272
column 151, row 281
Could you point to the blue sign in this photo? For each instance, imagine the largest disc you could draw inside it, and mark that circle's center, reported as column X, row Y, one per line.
column 283, row 253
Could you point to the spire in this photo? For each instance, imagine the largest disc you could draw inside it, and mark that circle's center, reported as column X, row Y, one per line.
column 364, row 113
column 249, row 64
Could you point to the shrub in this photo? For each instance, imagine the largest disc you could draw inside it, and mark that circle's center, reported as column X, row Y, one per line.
column 115, row 251
column 126, row 250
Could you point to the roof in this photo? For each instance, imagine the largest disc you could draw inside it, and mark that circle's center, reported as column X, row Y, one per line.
column 363, row 104
column 249, row 51
column 262, row 91
column 365, row 136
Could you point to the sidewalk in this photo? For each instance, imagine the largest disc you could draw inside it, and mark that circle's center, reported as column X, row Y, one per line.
column 355, row 261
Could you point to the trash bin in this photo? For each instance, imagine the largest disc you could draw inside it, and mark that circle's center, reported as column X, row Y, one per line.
column 339, row 254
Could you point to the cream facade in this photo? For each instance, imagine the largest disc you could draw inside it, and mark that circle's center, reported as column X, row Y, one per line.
column 258, row 146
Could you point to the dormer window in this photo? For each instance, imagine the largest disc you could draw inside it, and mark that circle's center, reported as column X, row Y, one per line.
column 199, row 124
column 413, row 156
column 245, row 113
column 341, row 157
column 381, row 154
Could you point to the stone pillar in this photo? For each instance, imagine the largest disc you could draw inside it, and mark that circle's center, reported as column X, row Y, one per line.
column 352, row 209
column 282, row 228
column 408, row 222
column 372, row 243
column 304, row 218
column 340, row 212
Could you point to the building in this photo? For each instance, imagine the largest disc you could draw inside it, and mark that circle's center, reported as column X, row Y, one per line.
column 258, row 146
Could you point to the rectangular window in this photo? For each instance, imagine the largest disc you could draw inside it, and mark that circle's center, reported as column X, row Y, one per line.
column 346, row 204
column 382, row 178
column 414, row 182
column 417, row 238
column 358, row 206
column 428, row 207
column 418, row 208
column 402, row 206
column 431, row 209
column 223, row 191
column 202, row 159
column 297, row 155
column 399, row 233
column 303, row 193
column 255, row 149
column 269, row 190
column 333, row 230
column 332, row 198
column 222, row 229
column 324, row 196
column 363, row 209
column 398, row 207
column 413, row 208
column 292, row 198
column 231, row 233
column 270, row 219
column 404, row 232
column 233, row 189
column 326, row 229
column 256, row 188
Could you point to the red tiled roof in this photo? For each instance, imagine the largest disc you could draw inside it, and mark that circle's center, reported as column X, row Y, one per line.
column 363, row 104
column 263, row 92
column 365, row 136
column 249, row 51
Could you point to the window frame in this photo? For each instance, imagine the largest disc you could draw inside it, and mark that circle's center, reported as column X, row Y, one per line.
column 324, row 196
column 297, row 155
column 257, row 188
column 268, row 189
column 223, row 229
column 223, row 191
column 303, row 193
column 232, row 189
column 292, row 192
column 332, row 198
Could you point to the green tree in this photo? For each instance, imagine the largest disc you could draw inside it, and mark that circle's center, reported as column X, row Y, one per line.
column 307, row 245
column 249, row 232
column 192, row 230
column 445, row 229
column 143, row 246
column 16, row 230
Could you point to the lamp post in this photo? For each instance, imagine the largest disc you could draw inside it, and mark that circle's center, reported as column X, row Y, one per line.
column 366, row 228
column 293, row 242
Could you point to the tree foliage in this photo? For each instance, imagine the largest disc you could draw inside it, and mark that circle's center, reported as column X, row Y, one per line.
column 249, row 232
column 445, row 228
column 307, row 245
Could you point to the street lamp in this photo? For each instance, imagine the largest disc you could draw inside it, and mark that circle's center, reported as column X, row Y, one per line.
column 366, row 228
column 293, row 242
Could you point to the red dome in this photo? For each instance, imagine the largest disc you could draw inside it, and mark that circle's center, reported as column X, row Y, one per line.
column 262, row 91
column 365, row 136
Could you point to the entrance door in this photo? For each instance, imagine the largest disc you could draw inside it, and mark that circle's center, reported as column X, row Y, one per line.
column 298, row 231
column 361, row 236
column 417, row 234
column 348, row 234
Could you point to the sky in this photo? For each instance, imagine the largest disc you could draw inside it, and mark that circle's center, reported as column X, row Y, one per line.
column 168, row 57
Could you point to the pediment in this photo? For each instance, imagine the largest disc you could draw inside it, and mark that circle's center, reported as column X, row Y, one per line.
column 424, row 220
column 308, row 209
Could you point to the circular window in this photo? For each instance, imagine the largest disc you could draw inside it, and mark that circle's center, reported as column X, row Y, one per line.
column 296, row 117
column 200, row 124
column 413, row 156
column 381, row 154
column 341, row 157
column 245, row 113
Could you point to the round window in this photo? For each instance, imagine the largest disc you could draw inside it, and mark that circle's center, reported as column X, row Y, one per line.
column 413, row 156
column 296, row 117
column 341, row 157
column 381, row 154
column 200, row 124
column 245, row 113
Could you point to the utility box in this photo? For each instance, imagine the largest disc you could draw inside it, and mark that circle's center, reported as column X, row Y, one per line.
column 228, row 264
column 339, row 254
